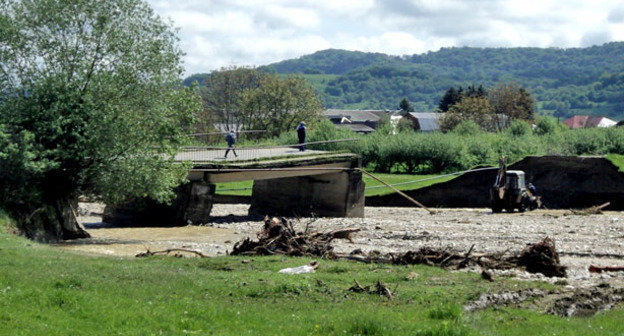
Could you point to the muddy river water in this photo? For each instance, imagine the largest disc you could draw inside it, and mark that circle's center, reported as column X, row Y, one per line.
column 129, row 241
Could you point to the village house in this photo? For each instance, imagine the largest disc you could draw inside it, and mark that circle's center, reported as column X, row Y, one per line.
column 576, row 122
column 361, row 121
column 425, row 121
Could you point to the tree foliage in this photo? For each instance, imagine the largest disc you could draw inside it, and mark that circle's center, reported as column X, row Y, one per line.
column 89, row 103
column 221, row 93
column 513, row 101
column 245, row 98
column 468, row 146
column 405, row 105
column 492, row 112
column 562, row 81
column 450, row 98
column 477, row 109
column 278, row 105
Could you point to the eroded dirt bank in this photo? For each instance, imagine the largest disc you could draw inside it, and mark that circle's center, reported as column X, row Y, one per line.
column 564, row 182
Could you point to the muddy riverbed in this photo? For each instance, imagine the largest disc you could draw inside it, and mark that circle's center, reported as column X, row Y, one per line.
column 581, row 240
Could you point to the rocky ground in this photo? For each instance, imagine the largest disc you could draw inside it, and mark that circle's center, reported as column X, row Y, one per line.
column 581, row 240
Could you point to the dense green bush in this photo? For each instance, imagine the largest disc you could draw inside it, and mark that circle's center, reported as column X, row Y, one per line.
column 519, row 128
column 547, row 125
column 467, row 127
column 466, row 146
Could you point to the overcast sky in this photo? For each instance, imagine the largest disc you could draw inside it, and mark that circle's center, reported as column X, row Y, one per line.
column 221, row 33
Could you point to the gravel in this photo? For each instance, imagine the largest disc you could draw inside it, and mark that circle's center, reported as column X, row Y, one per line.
column 580, row 240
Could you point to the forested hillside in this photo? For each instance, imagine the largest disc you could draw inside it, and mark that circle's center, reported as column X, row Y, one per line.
column 563, row 81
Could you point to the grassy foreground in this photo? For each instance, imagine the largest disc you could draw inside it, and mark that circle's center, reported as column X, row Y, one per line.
column 617, row 160
column 44, row 291
column 243, row 188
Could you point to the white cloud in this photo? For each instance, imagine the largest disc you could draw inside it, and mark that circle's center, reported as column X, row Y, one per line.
column 218, row 33
column 299, row 18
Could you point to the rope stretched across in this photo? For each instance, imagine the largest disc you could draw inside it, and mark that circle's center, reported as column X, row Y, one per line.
column 350, row 169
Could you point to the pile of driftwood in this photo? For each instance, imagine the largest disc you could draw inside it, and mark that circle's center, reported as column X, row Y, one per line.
column 279, row 237
column 541, row 257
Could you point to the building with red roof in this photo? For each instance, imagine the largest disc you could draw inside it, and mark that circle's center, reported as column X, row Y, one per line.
column 587, row 122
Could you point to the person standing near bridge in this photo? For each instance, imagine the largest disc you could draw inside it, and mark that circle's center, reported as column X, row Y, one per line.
column 301, row 133
column 230, row 138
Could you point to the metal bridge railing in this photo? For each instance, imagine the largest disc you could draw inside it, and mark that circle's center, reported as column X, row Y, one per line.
column 218, row 154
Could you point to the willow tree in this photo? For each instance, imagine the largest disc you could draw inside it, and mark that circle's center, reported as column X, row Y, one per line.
column 90, row 104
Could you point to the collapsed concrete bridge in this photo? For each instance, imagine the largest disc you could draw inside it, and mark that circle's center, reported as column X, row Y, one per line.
column 287, row 182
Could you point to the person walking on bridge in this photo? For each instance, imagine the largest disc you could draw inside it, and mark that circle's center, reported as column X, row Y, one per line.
column 230, row 138
column 301, row 133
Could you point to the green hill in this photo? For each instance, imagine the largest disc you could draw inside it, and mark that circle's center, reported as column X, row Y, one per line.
column 563, row 81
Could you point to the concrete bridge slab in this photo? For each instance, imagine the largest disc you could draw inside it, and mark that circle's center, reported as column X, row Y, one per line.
column 316, row 183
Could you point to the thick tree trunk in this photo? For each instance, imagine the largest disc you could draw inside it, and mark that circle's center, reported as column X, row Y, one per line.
column 54, row 222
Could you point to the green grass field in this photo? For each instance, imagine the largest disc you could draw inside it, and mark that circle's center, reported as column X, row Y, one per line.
column 46, row 291
column 243, row 188
column 617, row 160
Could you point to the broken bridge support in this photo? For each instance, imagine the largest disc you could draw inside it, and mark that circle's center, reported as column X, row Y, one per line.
column 336, row 194
column 192, row 205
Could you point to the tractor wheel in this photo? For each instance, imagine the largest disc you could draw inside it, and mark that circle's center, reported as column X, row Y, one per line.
column 522, row 207
column 510, row 209
column 525, row 203
column 496, row 208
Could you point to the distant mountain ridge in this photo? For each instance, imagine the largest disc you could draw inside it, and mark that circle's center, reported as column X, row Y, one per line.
column 563, row 81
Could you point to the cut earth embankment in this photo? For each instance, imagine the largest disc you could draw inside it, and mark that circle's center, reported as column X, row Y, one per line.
column 564, row 182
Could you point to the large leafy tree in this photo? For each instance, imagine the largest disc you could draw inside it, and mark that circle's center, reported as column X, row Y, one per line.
column 221, row 96
column 512, row 101
column 477, row 109
column 89, row 105
column 277, row 105
column 246, row 99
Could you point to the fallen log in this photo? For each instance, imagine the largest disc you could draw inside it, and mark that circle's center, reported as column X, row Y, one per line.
column 379, row 289
column 339, row 234
column 149, row 253
column 383, row 290
column 594, row 210
column 600, row 269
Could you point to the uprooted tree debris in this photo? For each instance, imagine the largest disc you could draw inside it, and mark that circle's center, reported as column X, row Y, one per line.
column 279, row 237
column 379, row 288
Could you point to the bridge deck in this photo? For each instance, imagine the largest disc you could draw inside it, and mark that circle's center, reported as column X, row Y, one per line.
column 217, row 156
column 270, row 167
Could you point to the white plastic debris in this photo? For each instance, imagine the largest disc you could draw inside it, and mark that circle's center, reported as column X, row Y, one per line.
column 310, row 268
